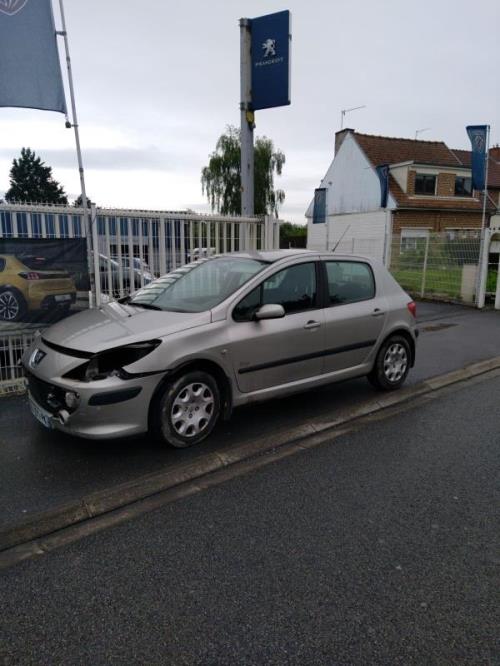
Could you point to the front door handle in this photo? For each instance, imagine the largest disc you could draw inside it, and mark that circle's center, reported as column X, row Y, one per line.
column 377, row 312
column 312, row 324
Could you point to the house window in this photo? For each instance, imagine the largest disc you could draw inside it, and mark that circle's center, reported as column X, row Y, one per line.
column 463, row 186
column 413, row 240
column 462, row 234
column 425, row 184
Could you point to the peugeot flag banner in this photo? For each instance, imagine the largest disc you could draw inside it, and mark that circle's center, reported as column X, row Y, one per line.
column 271, row 60
column 30, row 71
column 478, row 135
column 383, row 174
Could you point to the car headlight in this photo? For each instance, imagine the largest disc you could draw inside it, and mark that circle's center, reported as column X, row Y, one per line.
column 110, row 363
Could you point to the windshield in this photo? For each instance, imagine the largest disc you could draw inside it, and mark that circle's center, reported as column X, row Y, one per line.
column 199, row 286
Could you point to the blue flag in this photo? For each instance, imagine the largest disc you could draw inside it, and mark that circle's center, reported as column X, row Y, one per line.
column 319, row 209
column 30, row 71
column 478, row 135
column 383, row 174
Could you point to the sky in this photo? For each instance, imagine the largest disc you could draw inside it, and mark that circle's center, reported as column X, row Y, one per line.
column 157, row 82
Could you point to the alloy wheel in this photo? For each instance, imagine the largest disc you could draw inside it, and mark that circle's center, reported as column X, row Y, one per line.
column 9, row 306
column 192, row 409
column 395, row 362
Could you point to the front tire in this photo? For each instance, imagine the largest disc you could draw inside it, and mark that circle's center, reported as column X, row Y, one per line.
column 186, row 412
column 12, row 305
column 392, row 364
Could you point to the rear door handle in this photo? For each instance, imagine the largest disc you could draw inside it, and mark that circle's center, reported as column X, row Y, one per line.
column 312, row 324
column 377, row 312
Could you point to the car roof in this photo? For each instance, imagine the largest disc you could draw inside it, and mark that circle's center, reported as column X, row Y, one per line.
column 270, row 256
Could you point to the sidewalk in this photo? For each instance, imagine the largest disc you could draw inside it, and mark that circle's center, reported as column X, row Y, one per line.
column 41, row 470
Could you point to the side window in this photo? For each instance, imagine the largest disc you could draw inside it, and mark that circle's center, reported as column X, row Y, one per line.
column 294, row 288
column 2, row 264
column 349, row 282
column 246, row 308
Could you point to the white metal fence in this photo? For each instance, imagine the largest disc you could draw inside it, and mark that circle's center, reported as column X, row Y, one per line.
column 11, row 349
column 134, row 246
column 439, row 266
column 131, row 247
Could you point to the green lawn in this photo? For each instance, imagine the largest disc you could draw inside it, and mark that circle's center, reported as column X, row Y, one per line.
column 446, row 281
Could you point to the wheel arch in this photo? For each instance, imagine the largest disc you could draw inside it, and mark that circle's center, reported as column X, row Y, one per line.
column 193, row 365
column 404, row 333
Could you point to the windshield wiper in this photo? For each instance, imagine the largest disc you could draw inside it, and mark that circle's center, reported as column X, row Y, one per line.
column 146, row 306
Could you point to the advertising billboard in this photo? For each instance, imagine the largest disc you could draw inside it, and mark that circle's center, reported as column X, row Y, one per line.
column 41, row 281
column 271, row 39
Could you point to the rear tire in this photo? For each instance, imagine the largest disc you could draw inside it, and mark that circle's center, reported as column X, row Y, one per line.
column 186, row 412
column 12, row 305
column 392, row 364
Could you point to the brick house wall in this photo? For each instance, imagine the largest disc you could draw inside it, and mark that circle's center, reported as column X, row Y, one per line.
column 410, row 189
column 435, row 221
column 446, row 185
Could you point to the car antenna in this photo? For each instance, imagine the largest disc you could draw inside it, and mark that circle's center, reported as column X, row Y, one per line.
column 338, row 242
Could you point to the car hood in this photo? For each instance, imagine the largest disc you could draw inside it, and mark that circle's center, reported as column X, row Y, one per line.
column 116, row 324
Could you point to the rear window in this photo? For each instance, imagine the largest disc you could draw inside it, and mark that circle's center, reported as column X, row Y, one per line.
column 349, row 282
column 33, row 262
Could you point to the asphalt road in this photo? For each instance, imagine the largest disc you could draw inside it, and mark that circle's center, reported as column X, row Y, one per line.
column 380, row 547
column 40, row 470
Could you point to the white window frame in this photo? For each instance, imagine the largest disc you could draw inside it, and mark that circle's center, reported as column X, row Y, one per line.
column 412, row 233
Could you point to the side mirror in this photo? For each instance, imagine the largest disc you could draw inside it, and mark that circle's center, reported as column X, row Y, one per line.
column 270, row 311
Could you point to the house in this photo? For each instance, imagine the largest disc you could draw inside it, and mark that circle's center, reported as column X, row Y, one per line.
column 429, row 190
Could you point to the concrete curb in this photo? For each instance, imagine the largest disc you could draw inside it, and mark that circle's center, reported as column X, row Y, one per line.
column 302, row 437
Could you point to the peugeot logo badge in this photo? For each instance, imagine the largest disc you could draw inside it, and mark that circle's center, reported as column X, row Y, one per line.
column 36, row 358
column 11, row 7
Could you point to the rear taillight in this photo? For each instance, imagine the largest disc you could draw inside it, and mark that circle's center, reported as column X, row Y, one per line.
column 30, row 276
column 412, row 307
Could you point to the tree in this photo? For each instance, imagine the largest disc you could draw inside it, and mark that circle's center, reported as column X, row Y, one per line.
column 293, row 235
column 221, row 179
column 31, row 181
column 78, row 202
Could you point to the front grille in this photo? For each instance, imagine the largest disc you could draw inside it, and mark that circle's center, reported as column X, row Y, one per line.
column 47, row 395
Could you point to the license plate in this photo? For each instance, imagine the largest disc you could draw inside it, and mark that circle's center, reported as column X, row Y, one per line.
column 62, row 298
column 40, row 414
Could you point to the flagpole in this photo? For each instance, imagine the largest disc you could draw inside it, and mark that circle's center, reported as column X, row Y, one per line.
column 482, row 273
column 485, row 192
column 88, row 231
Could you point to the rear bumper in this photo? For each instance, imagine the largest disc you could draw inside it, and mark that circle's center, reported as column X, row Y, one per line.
column 57, row 301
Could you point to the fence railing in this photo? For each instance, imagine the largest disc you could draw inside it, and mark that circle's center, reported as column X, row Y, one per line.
column 12, row 348
column 442, row 266
column 130, row 248
column 439, row 266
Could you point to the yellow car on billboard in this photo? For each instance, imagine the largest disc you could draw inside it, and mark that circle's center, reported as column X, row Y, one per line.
column 28, row 284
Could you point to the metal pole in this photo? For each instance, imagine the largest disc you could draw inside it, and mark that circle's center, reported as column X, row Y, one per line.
column 485, row 194
column 88, row 231
column 482, row 272
column 497, row 293
column 424, row 268
column 247, row 123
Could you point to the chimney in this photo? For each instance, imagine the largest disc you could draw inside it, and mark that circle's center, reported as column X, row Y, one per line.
column 495, row 153
column 340, row 136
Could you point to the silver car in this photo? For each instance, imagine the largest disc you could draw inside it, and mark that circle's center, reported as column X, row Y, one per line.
column 224, row 331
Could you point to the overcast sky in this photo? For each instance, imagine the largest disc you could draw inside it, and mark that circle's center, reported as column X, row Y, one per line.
column 157, row 81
